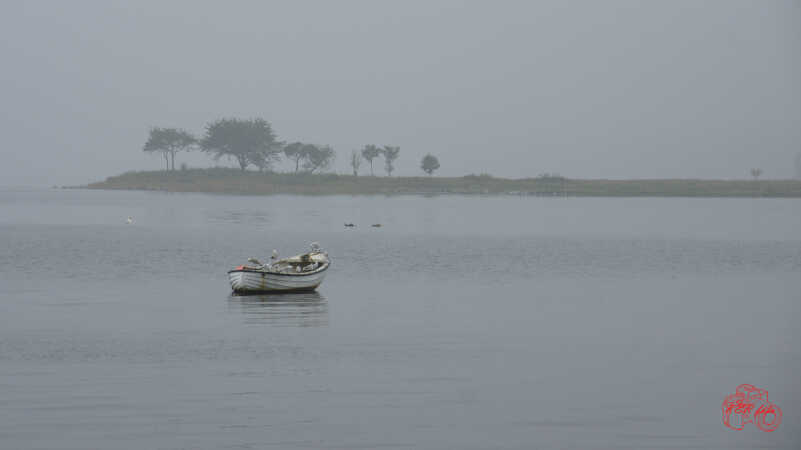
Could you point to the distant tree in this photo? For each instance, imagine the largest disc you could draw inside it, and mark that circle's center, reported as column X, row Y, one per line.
column 247, row 141
column 169, row 141
column 371, row 152
column 390, row 155
column 355, row 162
column 429, row 164
column 756, row 173
column 319, row 157
column 310, row 157
column 265, row 158
column 296, row 151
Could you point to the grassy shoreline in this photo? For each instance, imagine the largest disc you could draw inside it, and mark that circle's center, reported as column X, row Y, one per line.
column 233, row 181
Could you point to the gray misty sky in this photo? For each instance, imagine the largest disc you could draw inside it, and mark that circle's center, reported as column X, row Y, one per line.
column 594, row 89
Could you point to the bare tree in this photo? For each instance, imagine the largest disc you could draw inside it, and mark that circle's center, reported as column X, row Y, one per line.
column 756, row 173
column 355, row 162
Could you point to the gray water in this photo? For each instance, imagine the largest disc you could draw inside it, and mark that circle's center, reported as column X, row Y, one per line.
column 462, row 323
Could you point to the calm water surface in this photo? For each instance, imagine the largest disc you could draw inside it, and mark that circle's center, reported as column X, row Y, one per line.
column 467, row 323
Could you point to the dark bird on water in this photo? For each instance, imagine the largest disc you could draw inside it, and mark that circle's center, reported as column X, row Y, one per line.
column 376, row 225
column 350, row 225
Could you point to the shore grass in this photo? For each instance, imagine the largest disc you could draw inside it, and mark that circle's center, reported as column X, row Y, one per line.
column 233, row 181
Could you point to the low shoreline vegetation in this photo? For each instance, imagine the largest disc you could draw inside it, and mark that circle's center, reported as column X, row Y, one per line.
column 234, row 181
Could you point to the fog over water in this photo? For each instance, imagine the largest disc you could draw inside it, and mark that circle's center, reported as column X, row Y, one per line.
column 614, row 89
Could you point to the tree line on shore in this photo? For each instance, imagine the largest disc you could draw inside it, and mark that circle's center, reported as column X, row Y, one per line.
column 252, row 142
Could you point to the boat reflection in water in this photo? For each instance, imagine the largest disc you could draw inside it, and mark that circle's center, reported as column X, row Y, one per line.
column 301, row 309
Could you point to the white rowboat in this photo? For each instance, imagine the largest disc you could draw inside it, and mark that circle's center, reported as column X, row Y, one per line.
column 295, row 274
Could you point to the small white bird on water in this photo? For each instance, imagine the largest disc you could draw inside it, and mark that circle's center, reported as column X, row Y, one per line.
column 130, row 220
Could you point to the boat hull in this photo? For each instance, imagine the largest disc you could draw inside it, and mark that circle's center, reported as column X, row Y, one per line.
column 249, row 281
